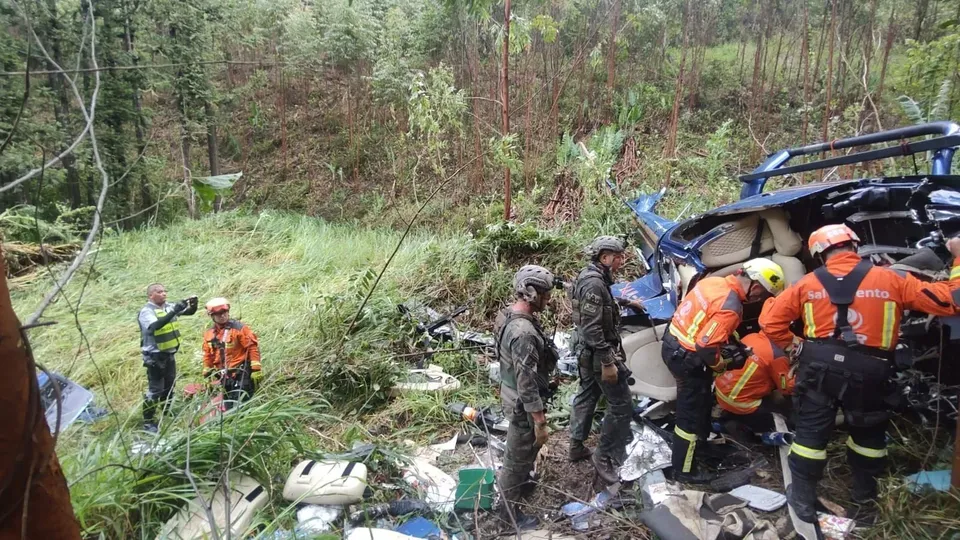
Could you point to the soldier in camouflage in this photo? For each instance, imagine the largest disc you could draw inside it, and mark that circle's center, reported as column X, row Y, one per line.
column 527, row 358
column 597, row 320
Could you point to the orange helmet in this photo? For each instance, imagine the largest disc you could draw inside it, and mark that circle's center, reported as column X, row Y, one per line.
column 830, row 236
column 217, row 305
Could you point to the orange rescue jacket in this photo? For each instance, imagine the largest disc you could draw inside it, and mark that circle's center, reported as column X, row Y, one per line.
column 740, row 391
column 876, row 310
column 708, row 316
column 239, row 343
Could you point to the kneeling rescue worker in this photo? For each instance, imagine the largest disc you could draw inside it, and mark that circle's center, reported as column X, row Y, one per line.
column 848, row 364
column 698, row 343
column 527, row 357
column 231, row 354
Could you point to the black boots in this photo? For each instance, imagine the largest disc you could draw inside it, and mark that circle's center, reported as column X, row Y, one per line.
column 606, row 470
column 578, row 452
column 802, row 496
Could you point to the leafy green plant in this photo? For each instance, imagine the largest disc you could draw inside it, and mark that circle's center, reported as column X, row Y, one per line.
column 208, row 188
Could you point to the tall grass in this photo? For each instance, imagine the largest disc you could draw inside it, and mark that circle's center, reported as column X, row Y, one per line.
column 297, row 282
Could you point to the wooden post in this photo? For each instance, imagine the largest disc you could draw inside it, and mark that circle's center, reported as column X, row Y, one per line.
column 27, row 456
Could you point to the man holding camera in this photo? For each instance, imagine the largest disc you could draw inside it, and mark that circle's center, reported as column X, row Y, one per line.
column 159, row 342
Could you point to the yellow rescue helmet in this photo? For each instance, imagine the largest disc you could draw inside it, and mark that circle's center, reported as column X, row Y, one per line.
column 767, row 273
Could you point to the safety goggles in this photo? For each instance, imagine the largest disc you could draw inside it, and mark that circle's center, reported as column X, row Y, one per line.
column 218, row 312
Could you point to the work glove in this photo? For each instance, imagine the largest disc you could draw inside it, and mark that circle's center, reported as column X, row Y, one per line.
column 735, row 355
column 257, row 378
column 180, row 306
column 542, row 432
column 212, row 376
column 609, row 374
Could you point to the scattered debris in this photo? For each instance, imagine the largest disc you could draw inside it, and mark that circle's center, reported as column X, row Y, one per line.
column 835, row 527
column 314, row 518
column 832, row 506
column 431, row 380
column 392, row 509
column 92, row 413
column 654, row 489
column 193, row 521
column 760, row 498
column 326, row 482
column 437, row 486
column 777, row 438
column 647, row 452
column 542, row 534
column 938, row 480
column 73, row 399
column 481, row 417
column 708, row 517
column 583, row 516
column 475, row 488
column 420, row 527
column 493, row 372
column 364, row 533
column 736, row 478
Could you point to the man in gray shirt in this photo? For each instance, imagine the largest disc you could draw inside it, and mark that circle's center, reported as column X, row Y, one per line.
column 159, row 342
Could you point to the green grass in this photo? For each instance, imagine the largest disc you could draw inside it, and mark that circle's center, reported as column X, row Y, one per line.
column 297, row 282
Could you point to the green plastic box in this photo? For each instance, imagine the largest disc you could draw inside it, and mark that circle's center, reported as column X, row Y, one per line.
column 475, row 489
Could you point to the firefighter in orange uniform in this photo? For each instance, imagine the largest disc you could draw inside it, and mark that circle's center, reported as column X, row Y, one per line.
column 698, row 344
column 231, row 354
column 847, row 365
column 747, row 395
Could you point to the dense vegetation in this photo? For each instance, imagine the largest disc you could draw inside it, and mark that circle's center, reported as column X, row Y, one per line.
column 359, row 112
column 352, row 108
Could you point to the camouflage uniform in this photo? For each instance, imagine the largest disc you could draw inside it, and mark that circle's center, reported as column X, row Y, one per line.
column 527, row 358
column 597, row 320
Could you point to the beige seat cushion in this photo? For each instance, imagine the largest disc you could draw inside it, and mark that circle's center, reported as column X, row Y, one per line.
column 735, row 245
column 785, row 240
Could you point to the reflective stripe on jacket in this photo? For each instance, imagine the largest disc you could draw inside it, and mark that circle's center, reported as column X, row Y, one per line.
column 709, row 314
column 233, row 344
column 876, row 310
column 740, row 391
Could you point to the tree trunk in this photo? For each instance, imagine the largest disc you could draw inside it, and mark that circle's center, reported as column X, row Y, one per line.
column 61, row 107
column 920, row 15
column 776, row 64
column 670, row 148
column 28, row 460
column 505, row 102
column 612, row 56
column 805, row 58
column 891, row 32
column 213, row 151
column 473, row 64
column 184, row 136
column 823, row 33
column 829, row 81
column 139, row 124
